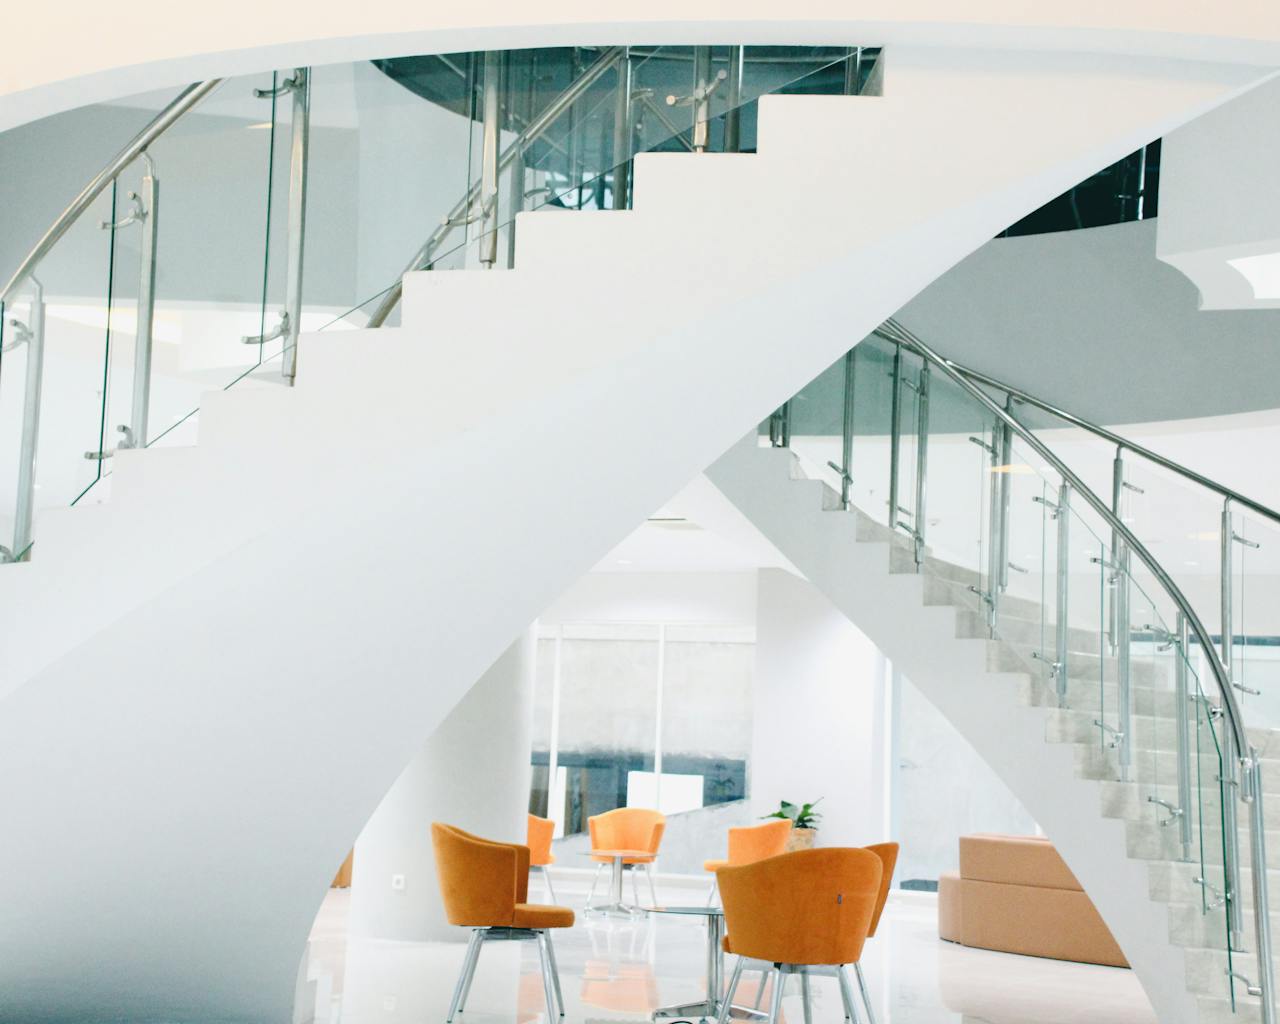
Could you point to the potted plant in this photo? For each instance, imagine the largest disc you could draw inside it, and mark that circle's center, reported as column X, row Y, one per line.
column 804, row 823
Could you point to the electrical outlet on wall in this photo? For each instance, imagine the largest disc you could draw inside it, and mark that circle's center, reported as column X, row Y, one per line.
column 397, row 883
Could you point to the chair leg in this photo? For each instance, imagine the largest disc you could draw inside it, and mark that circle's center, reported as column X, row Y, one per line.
column 464, row 978
column 866, row 994
column 764, row 978
column 775, row 1004
column 727, row 1005
column 806, row 997
column 551, row 890
column 471, row 972
column 594, row 882
column 846, row 995
column 548, row 988
column 653, row 892
column 555, row 970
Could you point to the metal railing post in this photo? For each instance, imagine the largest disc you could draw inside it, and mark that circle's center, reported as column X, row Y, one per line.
column 299, row 155
column 1231, row 752
column 996, row 525
column 1006, row 493
column 895, row 435
column 1121, row 638
column 1063, row 591
column 846, row 437
column 1182, row 699
column 149, row 195
column 853, row 72
column 703, row 84
column 1142, row 182
column 780, row 426
column 733, row 115
column 1261, row 900
column 24, row 512
column 1124, row 662
column 622, row 134
column 489, row 159
column 922, row 461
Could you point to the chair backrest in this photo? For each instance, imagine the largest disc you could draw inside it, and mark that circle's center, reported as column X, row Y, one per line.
column 627, row 828
column 758, row 842
column 806, row 907
column 481, row 881
column 541, row 832
column 888, row 854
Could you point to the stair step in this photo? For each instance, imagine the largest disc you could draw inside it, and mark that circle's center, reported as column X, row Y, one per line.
column 971, row 624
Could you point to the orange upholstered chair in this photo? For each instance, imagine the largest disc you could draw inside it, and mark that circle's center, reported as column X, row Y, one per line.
column 797, row 910
column 888, row 854
column 627, row 828
column 485, row 886
column 750, row 844
column 541, row 832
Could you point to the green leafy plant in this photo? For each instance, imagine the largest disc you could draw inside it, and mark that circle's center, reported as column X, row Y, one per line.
column 801, row 815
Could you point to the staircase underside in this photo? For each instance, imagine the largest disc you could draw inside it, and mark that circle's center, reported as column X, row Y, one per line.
column 199, row 715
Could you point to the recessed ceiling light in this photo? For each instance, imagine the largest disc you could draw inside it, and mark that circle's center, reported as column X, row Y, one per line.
column 1190, row 563
column 259, row 126
column 624, row 561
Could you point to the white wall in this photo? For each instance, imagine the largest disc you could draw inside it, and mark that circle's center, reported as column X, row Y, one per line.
column 820, row 723
column 110, row 56
column 701, row 598
column 473, row 773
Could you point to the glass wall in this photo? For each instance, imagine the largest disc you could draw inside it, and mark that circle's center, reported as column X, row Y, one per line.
column 639, row 715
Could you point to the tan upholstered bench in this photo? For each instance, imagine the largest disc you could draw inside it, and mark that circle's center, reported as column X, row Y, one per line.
column 1015, row 894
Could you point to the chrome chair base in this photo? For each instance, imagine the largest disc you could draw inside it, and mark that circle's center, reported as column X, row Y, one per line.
column 805, row 972
column 615, row 907
column 546, row 956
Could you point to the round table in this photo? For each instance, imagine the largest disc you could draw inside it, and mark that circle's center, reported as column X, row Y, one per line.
column 618, row 857
column 707, row 1009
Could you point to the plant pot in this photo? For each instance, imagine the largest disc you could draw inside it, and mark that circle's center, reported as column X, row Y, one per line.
column 801, row 839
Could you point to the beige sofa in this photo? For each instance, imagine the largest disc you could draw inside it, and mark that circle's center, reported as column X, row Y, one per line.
column 1015, row 894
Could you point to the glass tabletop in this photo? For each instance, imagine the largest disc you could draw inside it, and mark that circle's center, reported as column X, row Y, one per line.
column 703, row 911
column 617, row 853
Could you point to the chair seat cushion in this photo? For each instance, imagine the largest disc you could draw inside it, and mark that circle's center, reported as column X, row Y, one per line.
column 535, row 915
column 714, row 865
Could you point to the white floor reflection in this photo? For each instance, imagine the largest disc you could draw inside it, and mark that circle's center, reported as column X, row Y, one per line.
column 617, row 970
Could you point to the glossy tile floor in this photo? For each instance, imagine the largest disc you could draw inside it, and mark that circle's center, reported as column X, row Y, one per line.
column 618, row 970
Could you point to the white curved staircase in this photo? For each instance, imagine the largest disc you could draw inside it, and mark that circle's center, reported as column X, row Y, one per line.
column 210, row 680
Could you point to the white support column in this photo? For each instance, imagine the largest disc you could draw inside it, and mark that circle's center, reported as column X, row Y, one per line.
column 474, row 772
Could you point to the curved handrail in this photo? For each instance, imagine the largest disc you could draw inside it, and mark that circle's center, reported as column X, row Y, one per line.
column 1246, row 756
column 1026, row 398
column 893, row 331
column 136, row 146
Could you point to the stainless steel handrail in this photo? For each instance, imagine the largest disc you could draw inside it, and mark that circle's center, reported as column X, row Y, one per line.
column 1246, row 755
column 136, row 146
column 596, row 70
column 1018, row 395
column 893, row 331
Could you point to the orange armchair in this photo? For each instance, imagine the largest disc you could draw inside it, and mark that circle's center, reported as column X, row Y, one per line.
column 627, row 828
column 797, row 910
column 750, row 844
column 485, row 886
column 540, row 833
